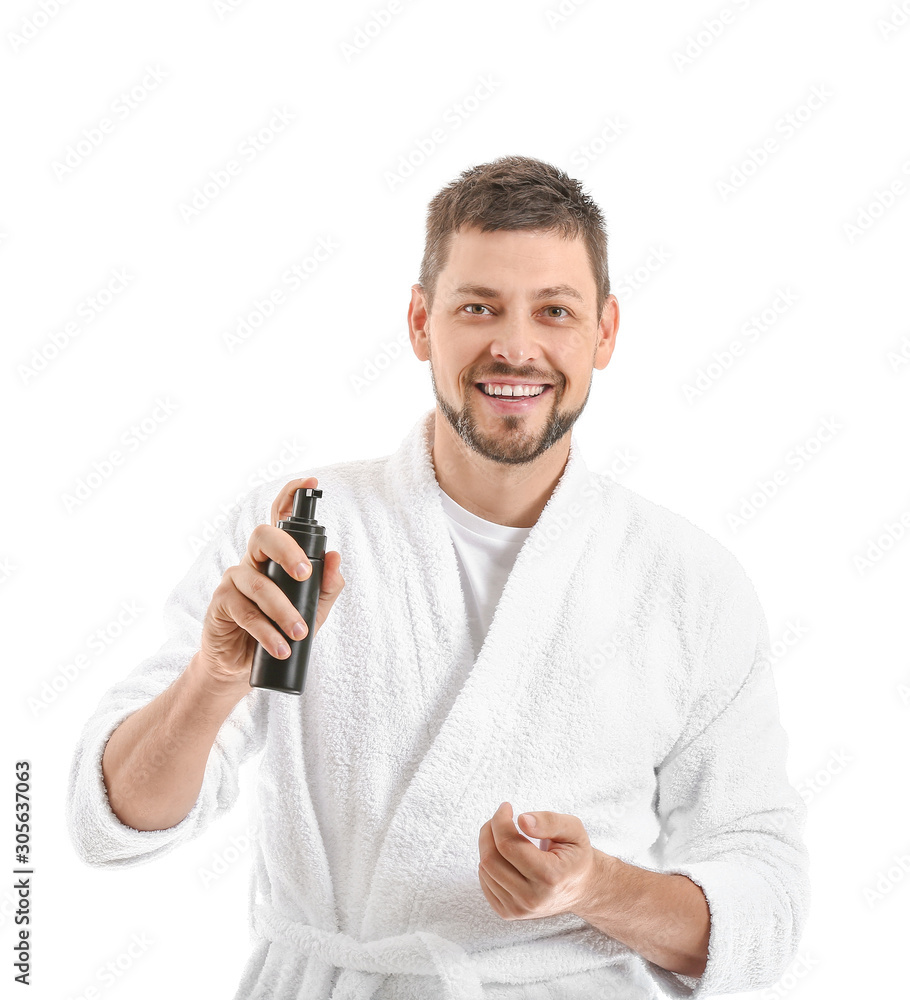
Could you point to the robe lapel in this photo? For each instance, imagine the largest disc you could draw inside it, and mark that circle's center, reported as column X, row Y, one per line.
column 512, row 653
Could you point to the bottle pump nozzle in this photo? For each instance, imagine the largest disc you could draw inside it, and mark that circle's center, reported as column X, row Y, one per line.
column 305, row 505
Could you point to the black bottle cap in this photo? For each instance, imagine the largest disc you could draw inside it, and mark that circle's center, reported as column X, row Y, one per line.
column 305, row 505
column 302, row 523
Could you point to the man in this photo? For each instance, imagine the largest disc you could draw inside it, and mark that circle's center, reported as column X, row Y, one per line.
column 511, row 628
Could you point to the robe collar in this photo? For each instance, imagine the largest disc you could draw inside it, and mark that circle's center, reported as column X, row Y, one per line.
column 525, row 619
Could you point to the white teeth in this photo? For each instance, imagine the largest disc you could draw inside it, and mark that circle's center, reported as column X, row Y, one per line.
column 500, row 389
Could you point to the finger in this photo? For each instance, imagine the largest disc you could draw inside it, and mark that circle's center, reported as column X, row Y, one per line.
column 502, row 871
column 570, row 829
column 283, row 504
column 485, row 840
column 268, row 598
column 268, row 542
column 494, row 893
column 236, row 609
column 490, row 854
column 331, row 586
column 518, row 853
column 504, row 874
column 332, row 580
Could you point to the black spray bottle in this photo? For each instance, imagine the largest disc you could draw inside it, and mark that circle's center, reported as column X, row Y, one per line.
column 289, row 674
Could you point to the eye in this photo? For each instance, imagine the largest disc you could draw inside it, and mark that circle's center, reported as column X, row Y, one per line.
column 475, row 305
column 561, row 308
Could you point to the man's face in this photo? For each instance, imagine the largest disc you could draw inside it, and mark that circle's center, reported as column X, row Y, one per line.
column 504, row 309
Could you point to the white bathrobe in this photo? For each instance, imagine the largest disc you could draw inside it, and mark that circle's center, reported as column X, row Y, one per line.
column 625, row 680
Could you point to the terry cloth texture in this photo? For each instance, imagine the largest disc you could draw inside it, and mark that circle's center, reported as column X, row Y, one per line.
column 625, row 679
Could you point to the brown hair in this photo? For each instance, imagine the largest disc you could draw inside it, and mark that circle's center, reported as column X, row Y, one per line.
column 514, row 192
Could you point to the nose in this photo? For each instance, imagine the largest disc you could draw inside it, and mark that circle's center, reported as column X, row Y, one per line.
column 515, row 343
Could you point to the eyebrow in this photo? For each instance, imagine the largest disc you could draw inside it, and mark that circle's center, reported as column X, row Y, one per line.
column 485, row 292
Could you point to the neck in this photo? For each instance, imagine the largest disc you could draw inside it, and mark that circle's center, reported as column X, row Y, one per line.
column 512, row 495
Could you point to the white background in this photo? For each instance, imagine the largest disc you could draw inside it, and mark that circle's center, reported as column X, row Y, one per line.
column 673, row 110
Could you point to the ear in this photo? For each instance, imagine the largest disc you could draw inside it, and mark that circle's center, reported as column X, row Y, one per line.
column 609, row 325
column 418, row 316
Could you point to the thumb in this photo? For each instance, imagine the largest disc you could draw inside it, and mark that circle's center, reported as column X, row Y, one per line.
column 534, row 825
column 551, row 826
column 332, row 580
column 537, row 824
column 331, row 586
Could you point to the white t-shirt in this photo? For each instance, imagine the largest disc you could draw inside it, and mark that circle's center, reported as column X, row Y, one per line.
column 486, row 553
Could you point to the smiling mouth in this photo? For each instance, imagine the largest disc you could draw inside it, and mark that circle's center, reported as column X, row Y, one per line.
column 518, row 403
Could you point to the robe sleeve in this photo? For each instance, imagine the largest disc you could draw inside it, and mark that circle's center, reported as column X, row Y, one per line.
column 731, row 821
column 99, row 837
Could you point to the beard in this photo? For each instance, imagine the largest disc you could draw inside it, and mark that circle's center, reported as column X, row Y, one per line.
column 511, row 442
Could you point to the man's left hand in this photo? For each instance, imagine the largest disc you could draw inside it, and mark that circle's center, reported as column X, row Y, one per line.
column 522, row 881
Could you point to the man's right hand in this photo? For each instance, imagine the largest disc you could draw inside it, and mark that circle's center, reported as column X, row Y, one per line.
column 245, row 599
